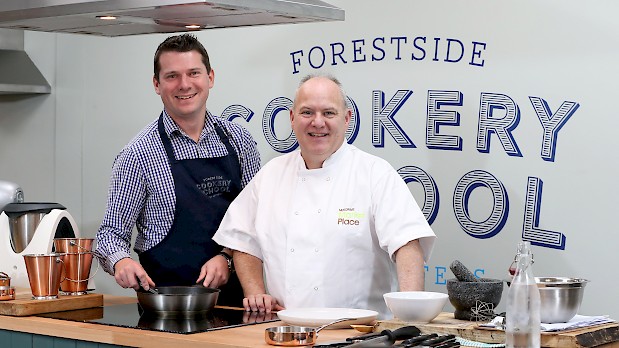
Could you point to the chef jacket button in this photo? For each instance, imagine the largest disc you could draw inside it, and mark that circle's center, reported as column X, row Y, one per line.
column 328, row 178
column 316, row 288
column 319, row 210
column 296, row 212
column 302, row 179
column 316, row 250
column 292, row 250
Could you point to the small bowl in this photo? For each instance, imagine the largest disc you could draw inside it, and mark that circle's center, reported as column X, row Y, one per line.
column 415, row 306
column 560, row 298
column 466, row 296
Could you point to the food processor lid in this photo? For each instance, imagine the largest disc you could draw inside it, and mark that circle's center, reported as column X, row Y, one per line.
column 14, row 210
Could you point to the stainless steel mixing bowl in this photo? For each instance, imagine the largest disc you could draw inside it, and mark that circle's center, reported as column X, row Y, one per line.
column 560, row 298
column 178, row 301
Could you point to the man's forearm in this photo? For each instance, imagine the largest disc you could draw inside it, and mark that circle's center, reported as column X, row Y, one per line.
column 249, row 271
column 409, row 265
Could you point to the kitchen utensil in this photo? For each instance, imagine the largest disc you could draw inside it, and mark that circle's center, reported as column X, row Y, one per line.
column 294, row 336
column 44, row 274
column 315, row 316
column 178, row 301
column 462, row 273
column 417, row 340
column 415, row 306
column 24, row 218
column 73, row 245
column 151, row 290
column 560, row 298
column 30, row 228
column 363, row 328
column 7, row 293
column 77, row 257
column 436, row 342
column 388, row 337
column 472, row 300
column 5, row 280
column 10, row 193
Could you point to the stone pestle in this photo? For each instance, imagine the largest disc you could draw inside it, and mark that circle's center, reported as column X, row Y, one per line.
column 462, row 273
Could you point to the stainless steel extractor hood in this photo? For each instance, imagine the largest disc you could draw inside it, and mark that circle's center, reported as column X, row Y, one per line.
column 18, row 74
column 134, row 17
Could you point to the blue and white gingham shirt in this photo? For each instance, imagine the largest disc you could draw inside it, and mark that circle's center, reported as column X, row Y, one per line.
column 141, row 191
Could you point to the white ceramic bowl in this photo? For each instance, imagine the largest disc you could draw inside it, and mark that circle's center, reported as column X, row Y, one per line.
column 415, row 306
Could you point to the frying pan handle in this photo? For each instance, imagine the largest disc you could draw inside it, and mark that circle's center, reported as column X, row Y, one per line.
column 333, row 322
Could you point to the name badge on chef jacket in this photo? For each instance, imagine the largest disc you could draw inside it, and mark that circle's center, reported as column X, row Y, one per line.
column 349, row 217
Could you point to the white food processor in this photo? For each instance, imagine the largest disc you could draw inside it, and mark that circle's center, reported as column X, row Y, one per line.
column 30, row 228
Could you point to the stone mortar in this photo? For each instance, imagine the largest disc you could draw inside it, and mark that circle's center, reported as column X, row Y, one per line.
column 464, row 296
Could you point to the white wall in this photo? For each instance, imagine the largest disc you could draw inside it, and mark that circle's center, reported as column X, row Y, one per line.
column 559, row 51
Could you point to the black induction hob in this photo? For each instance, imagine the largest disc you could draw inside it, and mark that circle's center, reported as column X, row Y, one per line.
column 131, row 316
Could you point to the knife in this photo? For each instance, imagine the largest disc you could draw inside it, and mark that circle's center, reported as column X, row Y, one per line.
column 388, row 337
column 436, row 342
column 416, row 340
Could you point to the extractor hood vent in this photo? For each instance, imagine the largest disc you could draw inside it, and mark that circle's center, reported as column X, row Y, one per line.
column 134, row 17
column 18, row 74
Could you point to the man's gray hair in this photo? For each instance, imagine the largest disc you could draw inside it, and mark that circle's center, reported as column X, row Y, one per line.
column 327, row 76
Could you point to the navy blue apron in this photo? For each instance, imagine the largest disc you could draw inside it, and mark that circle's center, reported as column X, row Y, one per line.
column 204, row 189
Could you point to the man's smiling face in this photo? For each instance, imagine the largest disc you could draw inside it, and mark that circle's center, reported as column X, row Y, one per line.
column 319, row 120
column 183, row 84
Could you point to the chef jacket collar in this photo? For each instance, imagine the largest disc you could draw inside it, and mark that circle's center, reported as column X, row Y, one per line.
column 330, row 161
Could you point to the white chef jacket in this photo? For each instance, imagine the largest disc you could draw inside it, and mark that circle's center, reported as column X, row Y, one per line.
column 327, row 236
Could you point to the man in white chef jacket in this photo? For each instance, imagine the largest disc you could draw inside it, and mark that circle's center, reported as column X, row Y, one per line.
column 327, row 225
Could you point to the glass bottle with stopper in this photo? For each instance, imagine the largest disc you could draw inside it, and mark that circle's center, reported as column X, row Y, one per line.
column 523, row 322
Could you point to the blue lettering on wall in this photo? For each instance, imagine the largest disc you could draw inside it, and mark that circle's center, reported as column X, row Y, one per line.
column 431, row 200
column 440, row 275
column 551, row 123
column 268, row 129
column 383, row 117
column 396, row 48
column 319, row 57
column 491, row 104
column 500, row 207
column 378, row 49
column 530, row 229
column 478, row 48
column 438, row 117
column 458, row 47
column 235, row 111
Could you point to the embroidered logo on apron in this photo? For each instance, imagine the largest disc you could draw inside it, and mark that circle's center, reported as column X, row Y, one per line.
column 214, row 186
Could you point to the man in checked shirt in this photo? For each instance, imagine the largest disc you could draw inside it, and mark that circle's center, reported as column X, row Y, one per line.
column 174, row 182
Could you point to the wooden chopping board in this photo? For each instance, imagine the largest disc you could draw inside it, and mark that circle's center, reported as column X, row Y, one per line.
column 446, row 324
column 24, row 305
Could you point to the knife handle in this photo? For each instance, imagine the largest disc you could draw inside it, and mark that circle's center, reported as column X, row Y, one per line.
column 434, row 341
column 415, row 340
column 364, row 337
column 403, row 333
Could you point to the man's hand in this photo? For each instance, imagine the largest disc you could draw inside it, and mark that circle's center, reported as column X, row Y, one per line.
column 214, row 273
column 130, row 274
column 262, row 303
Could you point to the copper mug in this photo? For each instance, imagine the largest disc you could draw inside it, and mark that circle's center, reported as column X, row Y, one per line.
column 44, row 275
column 77, row 257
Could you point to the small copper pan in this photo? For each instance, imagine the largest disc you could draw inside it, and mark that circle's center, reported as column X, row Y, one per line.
column 295, row 336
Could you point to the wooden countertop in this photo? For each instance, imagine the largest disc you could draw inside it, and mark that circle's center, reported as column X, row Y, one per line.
column 250, row 336
column 240, row 337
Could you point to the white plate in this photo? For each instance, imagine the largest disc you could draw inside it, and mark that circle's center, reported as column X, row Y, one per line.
column 314, row 317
